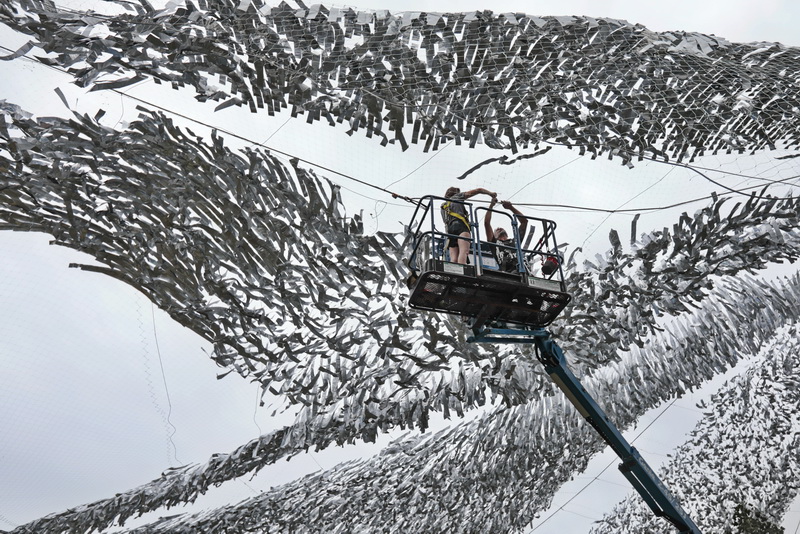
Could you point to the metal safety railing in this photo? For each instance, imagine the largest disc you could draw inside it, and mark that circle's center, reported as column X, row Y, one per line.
column 431, row 237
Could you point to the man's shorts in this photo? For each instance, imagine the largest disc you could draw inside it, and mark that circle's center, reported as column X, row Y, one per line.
column 456, row 227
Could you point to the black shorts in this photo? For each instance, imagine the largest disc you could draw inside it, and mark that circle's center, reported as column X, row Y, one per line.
column 456, row 227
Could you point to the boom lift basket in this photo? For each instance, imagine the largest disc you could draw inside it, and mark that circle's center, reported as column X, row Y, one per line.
column 531, row 297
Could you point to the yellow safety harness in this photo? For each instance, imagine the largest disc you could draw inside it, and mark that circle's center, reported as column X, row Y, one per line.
column 446, row 208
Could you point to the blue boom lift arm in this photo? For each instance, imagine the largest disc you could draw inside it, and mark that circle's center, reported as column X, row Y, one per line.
column 639, row 474
column 528, row 298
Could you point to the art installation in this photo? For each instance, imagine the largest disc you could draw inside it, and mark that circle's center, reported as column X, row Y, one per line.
column 751, row 420
column 220, row 239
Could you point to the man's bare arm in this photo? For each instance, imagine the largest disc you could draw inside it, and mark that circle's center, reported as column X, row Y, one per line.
column 523, row 221
column 487, row 220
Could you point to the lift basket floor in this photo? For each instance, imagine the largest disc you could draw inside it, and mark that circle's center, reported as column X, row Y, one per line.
column 493, row 297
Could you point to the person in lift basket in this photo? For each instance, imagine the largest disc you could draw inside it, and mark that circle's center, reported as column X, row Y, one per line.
column 506, row 256
column 456, row 219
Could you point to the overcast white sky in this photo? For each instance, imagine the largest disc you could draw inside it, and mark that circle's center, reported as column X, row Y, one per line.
column 735, row 20
column 83, row 403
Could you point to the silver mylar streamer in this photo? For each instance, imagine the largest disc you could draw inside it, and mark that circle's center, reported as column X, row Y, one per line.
column 186, row 223
column 495, row 474
column 743, row 451
column 510, row 81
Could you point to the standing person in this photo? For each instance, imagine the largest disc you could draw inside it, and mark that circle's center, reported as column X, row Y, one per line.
column 456, row 219
column 506, row 257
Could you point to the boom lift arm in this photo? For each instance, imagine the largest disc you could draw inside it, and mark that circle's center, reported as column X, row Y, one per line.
column 514, row 307
column 639, row 474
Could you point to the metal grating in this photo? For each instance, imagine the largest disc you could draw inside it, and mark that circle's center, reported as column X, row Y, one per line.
column 488, row 298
